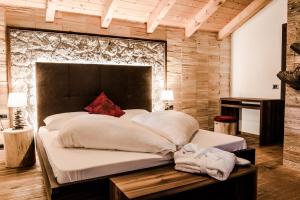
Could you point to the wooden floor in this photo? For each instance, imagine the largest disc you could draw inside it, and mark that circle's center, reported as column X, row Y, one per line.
column 275, row 182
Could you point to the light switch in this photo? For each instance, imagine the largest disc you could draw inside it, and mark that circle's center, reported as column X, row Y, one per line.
column 275, row 86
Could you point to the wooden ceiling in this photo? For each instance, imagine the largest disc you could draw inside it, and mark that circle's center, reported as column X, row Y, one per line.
column 222, row 16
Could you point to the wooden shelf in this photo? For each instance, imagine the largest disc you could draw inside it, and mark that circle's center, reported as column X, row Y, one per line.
column 247, row 106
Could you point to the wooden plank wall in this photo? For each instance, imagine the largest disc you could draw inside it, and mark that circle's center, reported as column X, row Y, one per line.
column 3, row 70
column 198, row 68
column 291, row 156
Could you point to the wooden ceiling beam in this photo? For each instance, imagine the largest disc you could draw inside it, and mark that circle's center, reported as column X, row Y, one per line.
column 202, row 16
column 158, row 13
column 253, row 8
column 50, row 10
column 109, row 8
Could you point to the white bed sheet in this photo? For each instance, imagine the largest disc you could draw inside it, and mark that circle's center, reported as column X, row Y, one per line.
column 70, row 164
column 219, row 140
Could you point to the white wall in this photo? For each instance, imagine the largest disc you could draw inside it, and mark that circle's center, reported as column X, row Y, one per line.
column 256, row 59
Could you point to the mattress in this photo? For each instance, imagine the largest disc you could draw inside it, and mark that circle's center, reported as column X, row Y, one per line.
column 219, row 140
column 70, row 164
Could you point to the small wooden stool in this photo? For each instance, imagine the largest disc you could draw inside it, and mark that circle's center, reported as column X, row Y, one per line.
column 225, row 124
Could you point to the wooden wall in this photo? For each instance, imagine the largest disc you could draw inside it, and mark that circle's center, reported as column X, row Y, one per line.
column 3, row 70
column 198, row 72
column 291, row 156
column 198, row 68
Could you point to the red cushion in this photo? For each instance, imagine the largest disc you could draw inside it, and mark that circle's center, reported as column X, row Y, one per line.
column 103, row 105
column 225, row 119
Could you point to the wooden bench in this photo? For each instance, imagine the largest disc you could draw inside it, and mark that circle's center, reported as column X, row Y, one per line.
column 167, row 183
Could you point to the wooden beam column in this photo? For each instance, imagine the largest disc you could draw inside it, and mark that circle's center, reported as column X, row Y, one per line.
column 50, row 10
column 242, row 17
column 158, row 13
column 202, row 16
column 109, row 8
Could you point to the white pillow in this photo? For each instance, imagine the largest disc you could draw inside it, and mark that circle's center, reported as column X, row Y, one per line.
column 130, row 113
column 177, row 127
column 107, row 132
column 57, row 121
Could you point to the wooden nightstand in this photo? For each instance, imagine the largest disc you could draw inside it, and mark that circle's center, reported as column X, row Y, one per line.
column 19, row 147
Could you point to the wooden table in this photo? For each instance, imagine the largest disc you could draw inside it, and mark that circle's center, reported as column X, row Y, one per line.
column 271, row 116
column 167, row 183
column 19, row 147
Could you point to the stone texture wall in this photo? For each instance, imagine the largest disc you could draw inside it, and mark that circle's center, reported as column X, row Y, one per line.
column 291, row 155
column 198, row 68
column 28, row 47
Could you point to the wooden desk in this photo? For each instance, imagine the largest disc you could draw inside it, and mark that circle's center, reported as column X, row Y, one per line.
column 165, row 183
column 271, row 116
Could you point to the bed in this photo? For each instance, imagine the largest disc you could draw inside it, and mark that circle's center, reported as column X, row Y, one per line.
column 75, row 164
column 78, row 175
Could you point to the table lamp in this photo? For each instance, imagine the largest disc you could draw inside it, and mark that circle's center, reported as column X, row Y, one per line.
column 167, row 96
column 18, row 101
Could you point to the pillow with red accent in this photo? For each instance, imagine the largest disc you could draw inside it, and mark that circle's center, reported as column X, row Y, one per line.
column 103, row 105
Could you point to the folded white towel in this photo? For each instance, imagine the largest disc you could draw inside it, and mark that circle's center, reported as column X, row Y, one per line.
column 212, row 161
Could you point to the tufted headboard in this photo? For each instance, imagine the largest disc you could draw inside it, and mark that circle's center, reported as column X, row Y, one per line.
column 64, row 87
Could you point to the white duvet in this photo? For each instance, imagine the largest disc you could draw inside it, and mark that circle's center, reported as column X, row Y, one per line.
column 177, row 127
column 107, row 132
column 141, row 131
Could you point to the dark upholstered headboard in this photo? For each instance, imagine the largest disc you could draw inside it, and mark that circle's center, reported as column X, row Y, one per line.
column 64, row 87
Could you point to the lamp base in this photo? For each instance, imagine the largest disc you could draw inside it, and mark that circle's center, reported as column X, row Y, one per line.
column 18, row 120
column 169, row 107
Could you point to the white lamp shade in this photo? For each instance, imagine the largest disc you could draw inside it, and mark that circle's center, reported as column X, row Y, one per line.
column 167, row 95
column 17, row 100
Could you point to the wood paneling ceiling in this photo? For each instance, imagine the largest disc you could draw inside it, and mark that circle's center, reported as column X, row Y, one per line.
column 222, row 16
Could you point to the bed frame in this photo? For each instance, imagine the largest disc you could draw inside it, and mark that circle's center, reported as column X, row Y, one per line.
column 63, row 87
column 97, row 188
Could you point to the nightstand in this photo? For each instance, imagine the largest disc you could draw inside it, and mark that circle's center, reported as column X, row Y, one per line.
column 19, row 147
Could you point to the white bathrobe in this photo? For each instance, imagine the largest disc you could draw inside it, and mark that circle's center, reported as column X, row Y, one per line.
column 212, row 161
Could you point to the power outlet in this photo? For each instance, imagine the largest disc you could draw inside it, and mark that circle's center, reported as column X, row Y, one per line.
column 3, row 116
